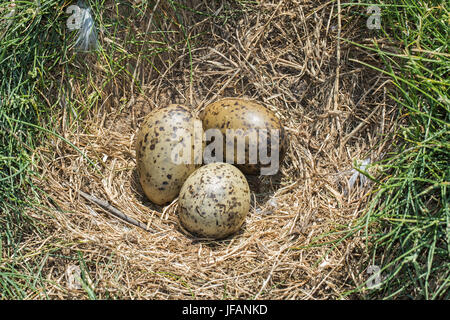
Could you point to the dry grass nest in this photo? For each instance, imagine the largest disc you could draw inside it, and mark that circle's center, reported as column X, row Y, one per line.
column 286, row 55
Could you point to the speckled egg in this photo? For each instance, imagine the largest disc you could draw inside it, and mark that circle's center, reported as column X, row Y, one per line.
column 247, row 118
column 167, row 152
column 214, row 201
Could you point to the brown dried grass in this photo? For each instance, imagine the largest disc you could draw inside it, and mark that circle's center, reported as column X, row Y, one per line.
column 284, row 54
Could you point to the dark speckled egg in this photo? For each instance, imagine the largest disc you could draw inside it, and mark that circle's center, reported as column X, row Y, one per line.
column 167, row 152
column 251, row 125
column 214, row 201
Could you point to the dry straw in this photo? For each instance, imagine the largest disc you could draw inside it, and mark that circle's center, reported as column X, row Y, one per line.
column 281, row 53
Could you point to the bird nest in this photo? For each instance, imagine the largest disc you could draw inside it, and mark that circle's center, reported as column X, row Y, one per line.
column 283, row 54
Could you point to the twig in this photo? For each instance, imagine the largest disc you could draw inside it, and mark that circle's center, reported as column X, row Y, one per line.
column 338, row 66
column 363, row 123
column 360, row 125
column 105, row 205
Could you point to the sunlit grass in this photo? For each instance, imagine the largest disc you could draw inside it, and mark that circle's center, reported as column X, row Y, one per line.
column 407, row 222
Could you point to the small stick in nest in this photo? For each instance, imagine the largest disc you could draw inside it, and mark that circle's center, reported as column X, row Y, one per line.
column 117, row 213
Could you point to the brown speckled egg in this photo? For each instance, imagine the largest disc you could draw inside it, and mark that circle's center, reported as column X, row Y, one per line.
column 214, row 201
column 165, row 152
column 248, row 116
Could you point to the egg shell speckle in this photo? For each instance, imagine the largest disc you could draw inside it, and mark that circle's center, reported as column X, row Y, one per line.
column 248, row 116
column 214, row 201
column 161, row 132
